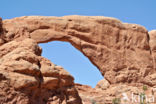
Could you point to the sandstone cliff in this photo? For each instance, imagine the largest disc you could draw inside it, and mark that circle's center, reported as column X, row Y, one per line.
column 125, row 54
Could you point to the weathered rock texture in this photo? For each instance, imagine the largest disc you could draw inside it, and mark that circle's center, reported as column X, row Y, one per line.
column 125, row 54
column 28, row 78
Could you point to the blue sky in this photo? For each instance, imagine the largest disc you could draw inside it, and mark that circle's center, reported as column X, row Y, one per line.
column 141, row 12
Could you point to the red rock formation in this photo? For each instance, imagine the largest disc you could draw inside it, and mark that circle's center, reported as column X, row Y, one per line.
column 152, row 42
column 28, row 78
column 124, row 53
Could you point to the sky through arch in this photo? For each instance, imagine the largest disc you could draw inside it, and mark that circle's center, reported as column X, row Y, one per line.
column 72, row 60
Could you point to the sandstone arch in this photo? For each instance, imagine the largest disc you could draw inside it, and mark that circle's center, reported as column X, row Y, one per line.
column 124, row 53
column 118, row 49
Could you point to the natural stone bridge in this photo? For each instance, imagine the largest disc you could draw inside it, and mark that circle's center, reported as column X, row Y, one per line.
column 124, row 53
column 118, row 49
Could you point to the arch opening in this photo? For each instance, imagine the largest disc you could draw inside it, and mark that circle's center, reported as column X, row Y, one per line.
column 72, row 60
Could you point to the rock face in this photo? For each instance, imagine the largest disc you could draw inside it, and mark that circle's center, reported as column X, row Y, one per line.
column 28, row 78
column 125, row 54
column 107, row 96
column 103, row 84
column 153, row 45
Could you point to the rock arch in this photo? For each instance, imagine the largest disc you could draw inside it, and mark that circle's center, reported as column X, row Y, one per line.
column 119, row 50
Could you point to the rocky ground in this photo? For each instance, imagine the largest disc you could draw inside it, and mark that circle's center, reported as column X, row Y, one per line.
column 125, row 54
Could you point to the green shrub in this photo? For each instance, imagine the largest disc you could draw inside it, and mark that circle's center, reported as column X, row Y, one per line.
column 116, row 101
column 93, row 102
column 142, row 98
column 144, row 88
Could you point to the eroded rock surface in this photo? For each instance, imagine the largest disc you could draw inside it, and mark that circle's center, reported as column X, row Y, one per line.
column 28, row 78
column 125, row 54
column 152, row 42
column 119, row 50
column 118, row 91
